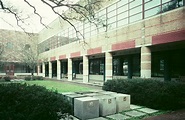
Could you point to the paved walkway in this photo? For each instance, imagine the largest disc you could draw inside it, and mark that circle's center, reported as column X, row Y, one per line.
column 175, row 115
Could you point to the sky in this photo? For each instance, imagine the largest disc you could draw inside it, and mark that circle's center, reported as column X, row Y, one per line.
column 8, row 21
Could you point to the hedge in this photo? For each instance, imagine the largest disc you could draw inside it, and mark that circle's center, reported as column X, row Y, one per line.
column 164, row 95
column 33, row 78
column 31, row 102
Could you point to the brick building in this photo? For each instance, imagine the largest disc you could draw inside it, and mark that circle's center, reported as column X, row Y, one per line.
column 141, row 38
column 12, row 44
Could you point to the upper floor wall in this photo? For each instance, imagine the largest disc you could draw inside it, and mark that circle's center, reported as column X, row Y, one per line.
column 147, row 32
column 115, row 16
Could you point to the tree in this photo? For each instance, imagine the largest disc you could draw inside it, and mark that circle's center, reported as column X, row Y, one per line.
column 171, row 5
column 29, row 55
column 1, row 52
column 81, row 11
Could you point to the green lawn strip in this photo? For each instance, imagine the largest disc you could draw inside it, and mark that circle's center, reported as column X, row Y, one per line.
column 59, row 86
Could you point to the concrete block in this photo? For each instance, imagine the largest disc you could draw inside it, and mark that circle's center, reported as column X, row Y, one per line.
column 84, row 92
column 122, row 102
column 70, row 97
column 107, row 92
column 99, row 118
column 107, row 105
column 67, row 93
column 93, row 94
column 86, row 108
column 96, row 90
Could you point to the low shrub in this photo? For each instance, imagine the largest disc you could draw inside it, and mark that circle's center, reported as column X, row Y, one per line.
column 27, row 78
column 7, row 78
column 37, row 78
column 26, row 102
column 166, row 95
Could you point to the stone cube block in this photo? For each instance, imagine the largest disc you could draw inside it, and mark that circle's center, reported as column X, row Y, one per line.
column 122, row 102
column 107, row 105
column 86, row 108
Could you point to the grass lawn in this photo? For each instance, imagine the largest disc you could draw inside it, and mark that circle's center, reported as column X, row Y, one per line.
column 59, row 86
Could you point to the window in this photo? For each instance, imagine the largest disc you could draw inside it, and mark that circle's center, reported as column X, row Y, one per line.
column 135, row 3
column 9, row 45
column 136, row 17
column 152, row 12
column 27, row 47
column 97, row 66
column 152, row 3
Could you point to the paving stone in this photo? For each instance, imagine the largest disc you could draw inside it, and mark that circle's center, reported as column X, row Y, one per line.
column 134, row 106
column 99, row 118
column 134, row 113
column 118, row 116
column 70, row 118
column 147, row 110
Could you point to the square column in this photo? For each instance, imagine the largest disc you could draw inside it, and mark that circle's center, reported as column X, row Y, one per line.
column 58, row 70
column 43, row 69
column 108, row 66
column 38, row 69
column 85, row 69
column 70, row 71
column 50, row 70
column 145, row 62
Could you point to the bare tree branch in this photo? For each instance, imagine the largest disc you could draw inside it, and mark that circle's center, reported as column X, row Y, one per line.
column 35, row 12
column 81, row 11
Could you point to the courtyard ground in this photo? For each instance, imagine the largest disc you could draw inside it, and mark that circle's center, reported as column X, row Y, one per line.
column 136, row 112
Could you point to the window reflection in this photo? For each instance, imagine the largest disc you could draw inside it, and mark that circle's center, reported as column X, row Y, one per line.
column 96, row 66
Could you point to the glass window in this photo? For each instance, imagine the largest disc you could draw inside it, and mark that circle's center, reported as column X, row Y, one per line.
column 122, row 15
column 164, row 1
column 135, row 18
column 111, row 14
column 152, row 3
column 111, row 8
column 96, row 66
column 136, row 65
column 9, row 45
column 152, row 12
column 122, row 3
column 111, row 20
column 125, row 67
column 122, row 9
column 102, row 12
column 135, row 10
column 112, row 25
column 122, row 22
column 93, row 29
column 134, row 3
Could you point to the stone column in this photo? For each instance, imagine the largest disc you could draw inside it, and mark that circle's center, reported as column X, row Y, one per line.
column 70, row 71
column 43, row 69
column 108, row 66
column 38, row 69
column 85, row 69
column 50, row 69
column 130, row 67
column 145, row 62
column 58, row 70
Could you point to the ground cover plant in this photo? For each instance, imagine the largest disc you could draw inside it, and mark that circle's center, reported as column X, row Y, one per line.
column 164, row 95
column 59, row 86
column 31, row 102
